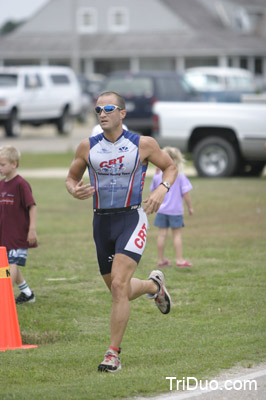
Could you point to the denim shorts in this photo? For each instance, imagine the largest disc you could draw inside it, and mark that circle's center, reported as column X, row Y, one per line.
column 17, row 256
column 169, row 221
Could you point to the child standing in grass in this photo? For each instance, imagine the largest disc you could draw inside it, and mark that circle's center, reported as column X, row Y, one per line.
column 170, row 213
column 17, row 219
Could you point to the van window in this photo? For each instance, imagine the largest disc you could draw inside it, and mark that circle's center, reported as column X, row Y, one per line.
column 32, row 81
column 238, row 83
column 129, row 87
column 60, row 79
column 8, row 80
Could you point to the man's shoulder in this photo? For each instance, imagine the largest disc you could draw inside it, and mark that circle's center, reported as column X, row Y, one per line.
column 148, row 143
column 132, row 136
column 148, row 140
column 84, row 147
column 95, row 140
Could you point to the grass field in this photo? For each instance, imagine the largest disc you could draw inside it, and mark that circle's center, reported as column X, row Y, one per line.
column 218, row 315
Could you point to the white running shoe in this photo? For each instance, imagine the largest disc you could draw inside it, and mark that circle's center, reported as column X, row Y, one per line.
column 111, row 362
column 162, row 297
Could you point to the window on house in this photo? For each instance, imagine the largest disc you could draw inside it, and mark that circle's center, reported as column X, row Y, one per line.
column 86, row 20
column 118, row 19
column 258, row 66
column 191, row 62
column 243, row 62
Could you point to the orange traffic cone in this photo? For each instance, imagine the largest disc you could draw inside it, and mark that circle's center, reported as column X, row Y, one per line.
column 10, row 337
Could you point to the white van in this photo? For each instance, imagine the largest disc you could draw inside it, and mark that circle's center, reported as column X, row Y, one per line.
column 221, row 83
column 38, row 95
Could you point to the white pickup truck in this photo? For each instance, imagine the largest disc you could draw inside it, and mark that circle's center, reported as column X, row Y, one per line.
column 225, row 139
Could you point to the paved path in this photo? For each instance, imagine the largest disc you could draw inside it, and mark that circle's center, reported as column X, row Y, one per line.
column 45, row 138
column 245, row 384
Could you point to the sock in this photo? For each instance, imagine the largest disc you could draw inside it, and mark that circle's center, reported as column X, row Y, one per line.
column 23, row 287
column 158, row 285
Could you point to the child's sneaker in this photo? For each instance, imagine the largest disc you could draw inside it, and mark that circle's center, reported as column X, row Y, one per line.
column 111, row 362
column 162, row 298
column 23, row 298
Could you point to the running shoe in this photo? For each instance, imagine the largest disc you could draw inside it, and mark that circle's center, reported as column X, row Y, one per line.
column 111, row 362
column 23, row 298
column 162, row 298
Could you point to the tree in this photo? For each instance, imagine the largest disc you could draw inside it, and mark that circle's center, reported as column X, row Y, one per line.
column 10, row 26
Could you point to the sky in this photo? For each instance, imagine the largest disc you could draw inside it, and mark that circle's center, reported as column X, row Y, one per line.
column 19, row 9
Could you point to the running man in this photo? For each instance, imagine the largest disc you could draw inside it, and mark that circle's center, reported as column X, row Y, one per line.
column 117, row 161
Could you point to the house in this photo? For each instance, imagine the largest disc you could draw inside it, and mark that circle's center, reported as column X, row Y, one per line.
column 99, row 36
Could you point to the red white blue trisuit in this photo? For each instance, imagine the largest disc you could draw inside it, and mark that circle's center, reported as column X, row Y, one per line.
column 117, row 174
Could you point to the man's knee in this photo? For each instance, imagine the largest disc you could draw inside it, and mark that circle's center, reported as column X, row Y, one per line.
column 119, row 288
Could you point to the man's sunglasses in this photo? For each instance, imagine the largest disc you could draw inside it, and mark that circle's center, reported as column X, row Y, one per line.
column 107, row 109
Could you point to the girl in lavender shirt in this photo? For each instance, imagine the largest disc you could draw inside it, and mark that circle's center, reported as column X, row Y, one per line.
column 170, row 213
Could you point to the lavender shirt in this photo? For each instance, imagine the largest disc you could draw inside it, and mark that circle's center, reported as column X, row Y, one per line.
column 173, row 201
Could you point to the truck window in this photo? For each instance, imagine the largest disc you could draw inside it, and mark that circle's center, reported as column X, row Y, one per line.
column 128, row 86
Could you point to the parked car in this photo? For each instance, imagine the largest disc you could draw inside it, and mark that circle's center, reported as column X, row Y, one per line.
column 141, row 90
column 221, row 84
column 38, row 95
column 89, row 85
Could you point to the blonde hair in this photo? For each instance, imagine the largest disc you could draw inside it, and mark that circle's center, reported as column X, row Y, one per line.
column 10, row 153
column 176, row 156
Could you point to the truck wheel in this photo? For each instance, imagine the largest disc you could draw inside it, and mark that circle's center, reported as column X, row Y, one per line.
column 65, row 123
column 215, row 157
column 12, row 125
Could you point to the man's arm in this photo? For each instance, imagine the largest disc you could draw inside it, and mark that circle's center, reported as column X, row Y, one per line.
column 150, row 151
column 74, row 182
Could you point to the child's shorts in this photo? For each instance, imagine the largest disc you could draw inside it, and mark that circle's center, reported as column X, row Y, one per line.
column 17, row 256
column 169, row 221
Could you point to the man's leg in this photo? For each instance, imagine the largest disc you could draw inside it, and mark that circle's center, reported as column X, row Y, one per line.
column 123, row 289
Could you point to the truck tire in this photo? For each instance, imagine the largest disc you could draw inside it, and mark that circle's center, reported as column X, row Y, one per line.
column 12, row 125
column 215, row 157
column 64, row 124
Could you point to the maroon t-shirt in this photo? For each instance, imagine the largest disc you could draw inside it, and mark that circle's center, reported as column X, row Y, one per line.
column 15, row 200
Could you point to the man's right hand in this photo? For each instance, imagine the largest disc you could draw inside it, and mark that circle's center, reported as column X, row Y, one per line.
column 82, row 192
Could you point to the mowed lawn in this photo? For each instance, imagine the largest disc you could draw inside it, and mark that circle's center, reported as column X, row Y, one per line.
column 218, row 315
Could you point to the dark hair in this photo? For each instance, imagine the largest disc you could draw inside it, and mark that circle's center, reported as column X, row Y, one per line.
column 120, row 99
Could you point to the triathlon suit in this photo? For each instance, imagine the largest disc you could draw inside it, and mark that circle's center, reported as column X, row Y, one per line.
column 117, row 174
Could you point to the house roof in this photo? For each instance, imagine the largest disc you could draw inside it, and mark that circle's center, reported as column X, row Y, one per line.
column 207, row 36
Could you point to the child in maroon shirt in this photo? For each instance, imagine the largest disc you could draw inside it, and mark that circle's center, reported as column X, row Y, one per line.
column 17, row 219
